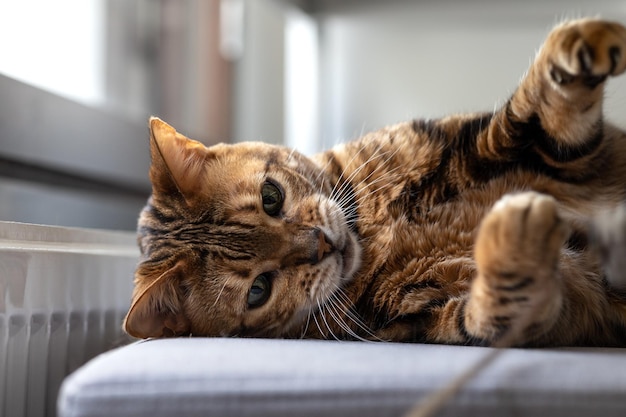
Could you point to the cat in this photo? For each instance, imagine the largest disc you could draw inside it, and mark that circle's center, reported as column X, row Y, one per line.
column 474, row 229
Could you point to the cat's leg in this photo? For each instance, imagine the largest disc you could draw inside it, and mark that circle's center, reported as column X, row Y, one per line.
column 558, row 105
column 517, row 294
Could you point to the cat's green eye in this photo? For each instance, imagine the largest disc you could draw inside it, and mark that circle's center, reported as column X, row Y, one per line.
column 272, row 198
column 260, row 291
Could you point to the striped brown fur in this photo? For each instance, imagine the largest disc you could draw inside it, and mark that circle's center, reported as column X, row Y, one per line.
column 458, row 230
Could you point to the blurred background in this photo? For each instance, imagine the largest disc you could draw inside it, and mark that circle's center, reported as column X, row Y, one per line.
column 79, row 78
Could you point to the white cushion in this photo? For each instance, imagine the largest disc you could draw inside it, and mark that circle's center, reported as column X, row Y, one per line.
column 238, row 377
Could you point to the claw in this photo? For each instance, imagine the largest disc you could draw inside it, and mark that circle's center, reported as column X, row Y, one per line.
column 616, row 55
column 585, row 58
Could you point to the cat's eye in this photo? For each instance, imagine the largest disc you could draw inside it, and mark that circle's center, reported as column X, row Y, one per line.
column 272, row 198
column 260, row 291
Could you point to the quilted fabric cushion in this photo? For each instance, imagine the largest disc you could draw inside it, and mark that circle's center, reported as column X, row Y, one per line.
column 241, row 377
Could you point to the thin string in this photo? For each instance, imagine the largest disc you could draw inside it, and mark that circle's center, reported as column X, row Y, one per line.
column 438, row 399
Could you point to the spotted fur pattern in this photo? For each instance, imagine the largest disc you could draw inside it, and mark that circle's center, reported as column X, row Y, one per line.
column 464, row 230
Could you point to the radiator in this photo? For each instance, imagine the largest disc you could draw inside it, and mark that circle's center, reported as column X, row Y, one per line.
column 63, row 295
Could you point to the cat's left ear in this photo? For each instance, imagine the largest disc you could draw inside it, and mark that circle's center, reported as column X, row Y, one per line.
column 157, row 309
column 178, row 162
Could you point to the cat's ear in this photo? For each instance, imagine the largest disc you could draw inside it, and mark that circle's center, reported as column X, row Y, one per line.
column 156, row 309
column 177, row 161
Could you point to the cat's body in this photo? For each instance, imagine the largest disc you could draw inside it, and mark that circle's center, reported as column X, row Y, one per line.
column 470, row 229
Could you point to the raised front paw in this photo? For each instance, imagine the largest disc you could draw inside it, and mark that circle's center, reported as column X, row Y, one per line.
column 516, row 296
column 587, row 51
column 520, row 239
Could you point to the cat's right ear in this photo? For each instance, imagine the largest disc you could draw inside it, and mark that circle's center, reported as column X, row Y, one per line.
column 178, row 163
column 157, row 309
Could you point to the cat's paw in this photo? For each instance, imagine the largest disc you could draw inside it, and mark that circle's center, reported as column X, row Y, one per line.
column 520, row 240
column 516, row 296
column 586, row 50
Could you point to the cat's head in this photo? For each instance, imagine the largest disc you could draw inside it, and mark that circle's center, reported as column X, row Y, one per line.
column 240, row 239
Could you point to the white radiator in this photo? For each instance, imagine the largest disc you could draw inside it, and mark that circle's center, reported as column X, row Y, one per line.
column 63, row 295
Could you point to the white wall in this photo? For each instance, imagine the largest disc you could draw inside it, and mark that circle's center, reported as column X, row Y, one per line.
column 384, row 62
column 259, row 74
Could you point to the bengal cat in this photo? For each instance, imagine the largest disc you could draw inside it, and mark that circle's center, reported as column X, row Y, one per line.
column 461, row 230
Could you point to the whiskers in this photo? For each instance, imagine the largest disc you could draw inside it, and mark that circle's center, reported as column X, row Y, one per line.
column 371, row 176
column 339, row 310
column 219, row 294
column 369, row 170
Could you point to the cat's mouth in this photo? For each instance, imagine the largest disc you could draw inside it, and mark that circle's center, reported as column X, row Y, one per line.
column 351, row 256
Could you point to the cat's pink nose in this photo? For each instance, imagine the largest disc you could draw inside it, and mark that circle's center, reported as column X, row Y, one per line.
column 323, row 246
column 308, row 245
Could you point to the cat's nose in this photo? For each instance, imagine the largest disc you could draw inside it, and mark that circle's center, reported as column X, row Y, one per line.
column 324, row 246
column 307, row 246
